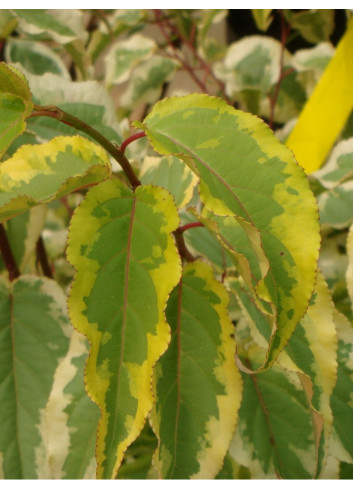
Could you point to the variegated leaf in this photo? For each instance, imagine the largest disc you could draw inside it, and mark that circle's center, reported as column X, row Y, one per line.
column 145, row 84
column 252, row 63
column 247, row 174
column 197, row 385
column 35, row 57
column 313, row 348
column 125, row 55
column 71, row 418
column 275, row 435
column 339, row 167
column 171, row 173
column 37, row 174
column 62, row 25
column 34, row 337
column 88, row 101
column 341, row 399
column 336, row 206
column 127, row 265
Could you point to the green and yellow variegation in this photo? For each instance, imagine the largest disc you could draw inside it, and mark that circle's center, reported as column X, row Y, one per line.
column 38, row 174
column 127, row 264
column 247, row 174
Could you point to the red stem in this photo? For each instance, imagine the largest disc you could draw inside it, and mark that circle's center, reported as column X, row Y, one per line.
column 201, row 61
column 190, row 225
column 284, row 34
column 130, row 139
column 7, row 255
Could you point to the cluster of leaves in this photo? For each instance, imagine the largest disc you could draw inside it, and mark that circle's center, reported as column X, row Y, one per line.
column 202, row 326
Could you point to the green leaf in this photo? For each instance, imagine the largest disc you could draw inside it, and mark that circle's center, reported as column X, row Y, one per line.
column 252, row 63
column 313, row 348
column 37, row 174
column 34, row 337
column 125, row 55
column 145, row 84
column 13, row 111
column 336, row 206
column 126, row 249
column 7, row 24
column 23, row 232
column 63, row 26
column 35, row 57
column 172, row 174
column 341, row 399
column 205, row 243
column 314, row 25
column 339, row 167
column 316, row 58
column 209, row 46
column 247, row 174
column 275, row 436
column 197, row 385
column 262, row 18
column 13, row 81
column 72, row 417
column 88, row 101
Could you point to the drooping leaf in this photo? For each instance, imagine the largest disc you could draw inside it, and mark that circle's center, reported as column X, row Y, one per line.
column 170, row 173
column 71, row 418
column 125, row 55
column 327, row 110
column 126, row 249
column 197, row 385
column 247, row 174
column 37, row 174
column 34, row 337
column 35, row 57
column 275, row 434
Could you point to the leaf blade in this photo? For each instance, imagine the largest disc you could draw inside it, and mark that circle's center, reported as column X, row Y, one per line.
column 124, row 345
column 245, row 173
column 37, row 174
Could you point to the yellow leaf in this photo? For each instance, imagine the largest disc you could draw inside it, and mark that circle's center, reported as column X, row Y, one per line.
column 327, row 110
